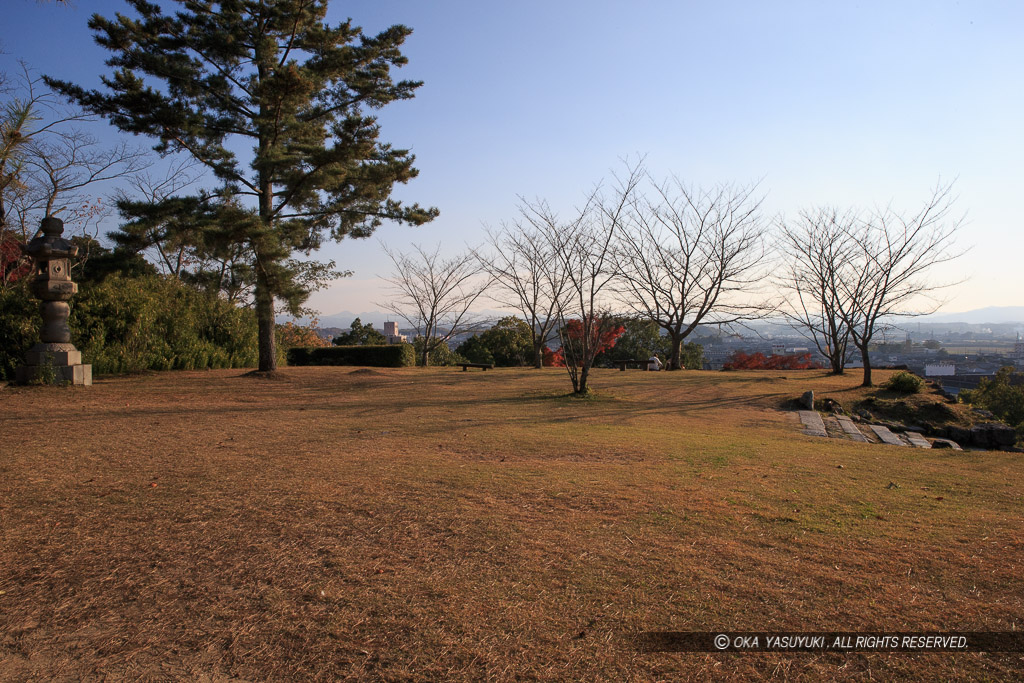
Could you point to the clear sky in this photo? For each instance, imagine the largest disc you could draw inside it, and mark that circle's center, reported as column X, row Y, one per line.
column 844, row 103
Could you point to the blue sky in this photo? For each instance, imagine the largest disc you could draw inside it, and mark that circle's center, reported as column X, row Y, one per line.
column 846, row 103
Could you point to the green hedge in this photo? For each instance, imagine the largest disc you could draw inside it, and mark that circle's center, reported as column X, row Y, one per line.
column 388, row 356
column 128, row 324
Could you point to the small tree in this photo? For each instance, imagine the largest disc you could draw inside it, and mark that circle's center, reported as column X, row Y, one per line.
column 439, row 353
column 508, row 343
column 475, row 350
column 685, row 255
column 1003, row 395
column 818, row 250
column 584, row 250
column 360, row 335
column 434, row 294
column 893, row 254
column 575, row 342
column 526, row 273
column 692, row 356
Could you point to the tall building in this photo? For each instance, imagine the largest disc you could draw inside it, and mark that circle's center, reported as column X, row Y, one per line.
column 391, row 333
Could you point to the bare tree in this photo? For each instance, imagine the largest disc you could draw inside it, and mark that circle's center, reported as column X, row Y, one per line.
column 818, row 252
column 894, row 253
column 29, row 115
column 526, row 273
column 64, row 164
column 49, row 165
column 434, row 294
column 154, row 226
column 584, row 248
column 686, row 257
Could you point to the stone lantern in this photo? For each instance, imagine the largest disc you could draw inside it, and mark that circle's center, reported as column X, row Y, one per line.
column 54, row 358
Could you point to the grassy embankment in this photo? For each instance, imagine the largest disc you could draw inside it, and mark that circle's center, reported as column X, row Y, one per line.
column 428, row 525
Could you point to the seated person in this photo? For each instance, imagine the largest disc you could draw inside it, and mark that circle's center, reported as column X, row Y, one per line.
column 654, row 363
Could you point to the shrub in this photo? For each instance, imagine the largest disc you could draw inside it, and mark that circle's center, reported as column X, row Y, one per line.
column 19, row 326
column 128, row 324
column 442, row 354
column 1002, row 395
column 904, row 382
column 507, row 344
column 290, row 335
column 475, row 350
column 386, row 356
column 758, row 361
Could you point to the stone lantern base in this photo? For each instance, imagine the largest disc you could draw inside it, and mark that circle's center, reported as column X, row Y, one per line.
column 56, row 363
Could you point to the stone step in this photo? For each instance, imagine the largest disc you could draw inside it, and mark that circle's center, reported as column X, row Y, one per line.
column 813, row 426
column 886, row 436
column 851, row 429
column 916, row 440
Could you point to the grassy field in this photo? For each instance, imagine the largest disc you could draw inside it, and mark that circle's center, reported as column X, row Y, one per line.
column 431, row 525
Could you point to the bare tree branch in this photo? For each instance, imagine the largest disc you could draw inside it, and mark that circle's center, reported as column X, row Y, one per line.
column 818, row 254
column 686, row 256
column 895, row 253
column 434, row 294
column 526, row 273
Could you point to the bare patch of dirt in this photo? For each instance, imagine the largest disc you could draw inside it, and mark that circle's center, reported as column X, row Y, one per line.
column 270, row 375
column 366, row 372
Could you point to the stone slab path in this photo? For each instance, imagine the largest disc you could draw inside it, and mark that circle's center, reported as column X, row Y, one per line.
column 916, row 440
column 813, row 426
column 842, row 427
column 886, row 436
column 851, row 429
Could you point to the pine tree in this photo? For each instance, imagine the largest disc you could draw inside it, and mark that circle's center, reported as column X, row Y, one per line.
column 273, row 73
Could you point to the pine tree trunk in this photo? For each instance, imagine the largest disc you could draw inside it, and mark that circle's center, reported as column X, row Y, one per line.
column 267, row 327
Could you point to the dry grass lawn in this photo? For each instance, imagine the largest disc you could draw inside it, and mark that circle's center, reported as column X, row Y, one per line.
column 404, row 524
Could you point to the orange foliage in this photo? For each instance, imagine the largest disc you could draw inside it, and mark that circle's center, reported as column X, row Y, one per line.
column 290, row 336
column 758, row 361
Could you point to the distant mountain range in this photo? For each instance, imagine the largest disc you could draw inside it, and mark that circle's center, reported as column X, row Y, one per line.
column 344, row 319
column 995, row 315
column 979, row 316
column 376, row 318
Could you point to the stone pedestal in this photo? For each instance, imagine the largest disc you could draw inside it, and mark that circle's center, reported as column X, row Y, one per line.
column 54, row 363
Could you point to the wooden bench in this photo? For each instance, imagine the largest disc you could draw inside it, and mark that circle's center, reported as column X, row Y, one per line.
column 482, row 366
column 623, row 363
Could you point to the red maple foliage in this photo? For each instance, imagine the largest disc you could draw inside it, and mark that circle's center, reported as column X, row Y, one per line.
column 758, row 361
column 574, row 333
column 13, row 264
column 602, row 341
column 553, row 359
